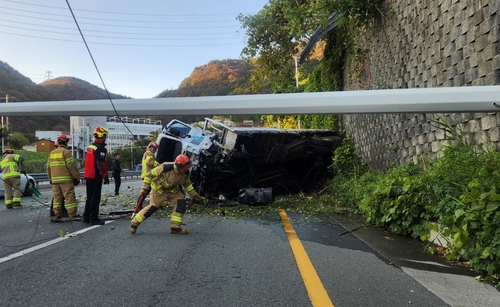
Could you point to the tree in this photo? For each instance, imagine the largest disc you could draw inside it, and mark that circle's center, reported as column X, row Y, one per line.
column 18, row 140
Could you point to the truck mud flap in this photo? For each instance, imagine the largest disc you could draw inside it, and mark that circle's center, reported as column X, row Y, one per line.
column 252, row 196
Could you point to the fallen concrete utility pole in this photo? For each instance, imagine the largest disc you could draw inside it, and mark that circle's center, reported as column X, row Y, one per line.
column 418, row 100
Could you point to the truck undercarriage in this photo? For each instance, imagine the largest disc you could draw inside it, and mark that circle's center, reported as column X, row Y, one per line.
column 228, row 159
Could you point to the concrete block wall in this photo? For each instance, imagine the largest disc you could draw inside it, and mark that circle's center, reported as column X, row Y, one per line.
column 427, row 43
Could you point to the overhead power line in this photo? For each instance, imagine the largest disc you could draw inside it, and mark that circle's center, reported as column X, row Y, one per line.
column 121, row 26
column 107, row 19
column 159, row 37
column 124, row 44
column 125, row 13
column 38, row 26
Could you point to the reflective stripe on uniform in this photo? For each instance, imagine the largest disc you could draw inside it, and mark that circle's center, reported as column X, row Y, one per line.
column 154, row 173
column 56, row 155
column 60, row 179
column 176, row 218
column 73, row 205
column 138, row 218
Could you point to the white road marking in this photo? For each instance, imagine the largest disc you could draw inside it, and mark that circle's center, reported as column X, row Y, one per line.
column 49, row 243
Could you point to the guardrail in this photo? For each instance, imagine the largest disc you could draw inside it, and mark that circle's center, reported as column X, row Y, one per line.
column 43, row 177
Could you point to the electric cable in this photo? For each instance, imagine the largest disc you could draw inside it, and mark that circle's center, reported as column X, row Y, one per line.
column 37, row 224
column 99, row 73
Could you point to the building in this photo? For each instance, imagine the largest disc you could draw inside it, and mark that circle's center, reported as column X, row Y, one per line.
column 121, row 132
column 44, row 145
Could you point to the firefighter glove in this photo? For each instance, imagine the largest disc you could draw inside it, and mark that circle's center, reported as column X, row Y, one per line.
column 106, row 180
column 76, row 182
column 23, row 172
column 197, row 198
column 144, row 192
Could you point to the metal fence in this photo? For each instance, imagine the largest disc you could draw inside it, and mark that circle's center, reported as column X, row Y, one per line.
column 43, row 177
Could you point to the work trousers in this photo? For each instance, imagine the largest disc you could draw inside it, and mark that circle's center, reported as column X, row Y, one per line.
column 64, row 192
column 118, row 182
column 156, row 200
column 94, row 188
column 9, row 184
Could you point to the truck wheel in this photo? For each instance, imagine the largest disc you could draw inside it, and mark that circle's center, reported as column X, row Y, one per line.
column 321, row 149
column 326, row 141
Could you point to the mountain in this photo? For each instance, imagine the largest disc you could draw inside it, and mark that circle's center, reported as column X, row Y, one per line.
column 217, row 78
column 70, row 88
column 21, row 89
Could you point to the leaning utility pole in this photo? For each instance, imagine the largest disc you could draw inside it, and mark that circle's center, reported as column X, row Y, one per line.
column 3, row 128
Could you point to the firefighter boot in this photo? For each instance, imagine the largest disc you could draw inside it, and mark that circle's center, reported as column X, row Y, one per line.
column 178, row 231
column 17, row 205
column 177, row 216
column 141, row 217
column 57, row 213
column 72, row 213
column 133, row 228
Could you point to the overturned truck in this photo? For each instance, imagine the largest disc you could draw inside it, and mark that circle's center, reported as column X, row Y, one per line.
column 228, row 159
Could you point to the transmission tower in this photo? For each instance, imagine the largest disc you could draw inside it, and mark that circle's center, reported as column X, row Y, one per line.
column 48, row 75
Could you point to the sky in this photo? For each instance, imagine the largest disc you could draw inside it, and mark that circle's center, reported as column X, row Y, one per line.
column 140, row 48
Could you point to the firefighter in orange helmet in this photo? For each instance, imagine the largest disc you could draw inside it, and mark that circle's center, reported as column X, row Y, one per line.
column 165, row 181
column 11, row 178
column 64, row 176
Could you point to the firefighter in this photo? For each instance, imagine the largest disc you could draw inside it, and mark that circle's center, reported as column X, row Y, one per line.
column 63, row 176
column 95, row 174
column 148, row 159
column 165, row 181
column 11, row 178
column 148, row 163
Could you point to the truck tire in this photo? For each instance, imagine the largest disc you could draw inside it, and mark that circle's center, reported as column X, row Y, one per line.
column 326, row 141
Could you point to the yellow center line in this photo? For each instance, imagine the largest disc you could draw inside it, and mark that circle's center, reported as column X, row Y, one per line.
column 314, row 286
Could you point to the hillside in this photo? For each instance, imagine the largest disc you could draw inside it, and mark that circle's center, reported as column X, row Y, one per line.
column 70, row 88
column 217, row 78
column 21, row 89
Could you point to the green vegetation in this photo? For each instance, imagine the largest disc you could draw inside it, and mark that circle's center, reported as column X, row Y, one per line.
column 454, row 195
column 34, row 162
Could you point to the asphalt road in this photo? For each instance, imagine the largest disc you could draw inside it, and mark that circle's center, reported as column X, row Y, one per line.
column 221, row 262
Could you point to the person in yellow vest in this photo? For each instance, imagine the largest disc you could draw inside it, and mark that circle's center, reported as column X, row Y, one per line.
column 64, row 176
column 148, row 159
column 165, row 181
column 11, row 178
column 148, row 163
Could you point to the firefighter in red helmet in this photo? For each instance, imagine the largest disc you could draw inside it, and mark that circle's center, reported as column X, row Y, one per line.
column 11, row 178
column 64, row 176
column 95, row 174
column 165, row 181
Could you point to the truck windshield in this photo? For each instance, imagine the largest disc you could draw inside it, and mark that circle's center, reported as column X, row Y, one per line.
column 178, row 129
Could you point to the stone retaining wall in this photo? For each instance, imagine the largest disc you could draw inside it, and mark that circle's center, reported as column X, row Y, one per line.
column 426, row 43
